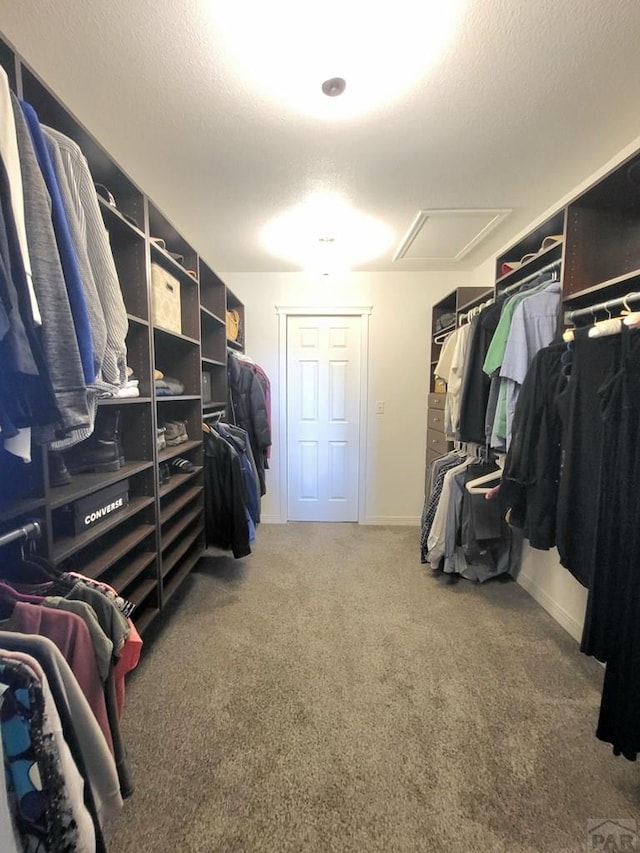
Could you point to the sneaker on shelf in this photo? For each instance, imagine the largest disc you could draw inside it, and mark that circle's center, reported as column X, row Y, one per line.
column 164, row 472
column 173, row 434
column 161, row 438
column 180, row 465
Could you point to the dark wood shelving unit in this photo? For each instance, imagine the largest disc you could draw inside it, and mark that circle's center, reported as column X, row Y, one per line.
column 126, row 548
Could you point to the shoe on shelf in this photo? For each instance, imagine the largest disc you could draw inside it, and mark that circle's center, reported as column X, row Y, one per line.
column 176, row 433
column 58, row 472
column 164, row 472
column 102, row 451
column 161, row 438
column 180, row 465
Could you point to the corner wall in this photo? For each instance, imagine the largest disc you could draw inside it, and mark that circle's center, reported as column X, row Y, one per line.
column 399, row 359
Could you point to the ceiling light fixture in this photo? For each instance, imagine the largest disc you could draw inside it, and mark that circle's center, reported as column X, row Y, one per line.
column 281, row 51
column 349, row 237
column 334, row 86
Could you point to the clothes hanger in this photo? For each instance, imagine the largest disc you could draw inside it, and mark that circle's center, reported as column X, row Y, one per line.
column 482, row 485
column 602, row 328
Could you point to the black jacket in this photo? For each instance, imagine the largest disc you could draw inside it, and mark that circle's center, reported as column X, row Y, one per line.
column 248, row 409
column 226, row 524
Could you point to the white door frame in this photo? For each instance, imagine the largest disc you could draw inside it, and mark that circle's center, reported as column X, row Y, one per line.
column 284, row 312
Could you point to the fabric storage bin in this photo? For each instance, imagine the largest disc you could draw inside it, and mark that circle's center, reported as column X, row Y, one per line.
column 86, row 513
column 165, row 299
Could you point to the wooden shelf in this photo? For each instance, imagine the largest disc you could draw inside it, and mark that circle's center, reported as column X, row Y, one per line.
column 177, row 398
column 235, row 345
column 213, row 316
column 477, row 300
column 144, row 618
column 180, row 575
column 122, row 401
column 138, row 595
column 176, row 481
column 65, row 546
column 172, row 559
column 178, row 450
column 85, row 484
column 169, row 536
column 165, row 260
column 554, row 253
column 180, row 503
column 132, row 318
column 215, row 404
column 111, row 213
column 213, row 361
column 610, row 284
column 22, row 507
column 117, row 551
column 123, row 579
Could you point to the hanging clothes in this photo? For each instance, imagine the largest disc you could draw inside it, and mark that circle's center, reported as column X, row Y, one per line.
column 248, row 409
column 226, row 522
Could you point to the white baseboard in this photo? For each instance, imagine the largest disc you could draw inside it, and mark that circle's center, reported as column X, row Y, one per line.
column 571, row 625
column 400, row 520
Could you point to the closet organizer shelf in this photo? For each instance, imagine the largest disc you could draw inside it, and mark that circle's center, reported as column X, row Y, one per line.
column 213, row 362
column 142, row 591
column 171, row 532
column 235, row 345
column 23, row 507
column 109, row 557
column 172, row 559
column 212, row 315
column 65, row 546
column 179, row 503
column 127, row 576
column 112, row 214
column 549, row 255
column 177, row 398
column 214, row 404
column 170, row 264
column 123, row 401
column 82, row 485
column 176, row 481
column 612, row 286
column 178, row 450
column 175, row 335
column 139, row 320
column 143, row 618
column 176, row 579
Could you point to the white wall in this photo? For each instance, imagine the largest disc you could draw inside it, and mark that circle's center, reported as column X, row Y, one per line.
column 399, row 359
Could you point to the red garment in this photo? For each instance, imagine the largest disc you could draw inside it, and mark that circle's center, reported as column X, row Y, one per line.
column 129, row 654
column 71, row 636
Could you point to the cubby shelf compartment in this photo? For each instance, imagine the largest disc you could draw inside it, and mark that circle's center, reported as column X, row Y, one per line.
column 615, row 287
column 176, row 481
column 110, row 556
column 554, row 253
column 133, row 570
column 177, row 398
column 174, row 530
column 112, row 215
column 85, row 484
column 165, row 260
column 22, row 507
column 123, row 401
column 65, row 546
column 179, row 503
column 235, row 345
column 133, row 318
column 213, row 316
column 213, row 362
column 176, row 336
column 142, row 590
column 179, row 551
column 174, row 582
column 143, row 618
column 171, row 452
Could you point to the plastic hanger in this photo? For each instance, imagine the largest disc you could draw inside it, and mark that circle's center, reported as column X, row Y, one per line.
column 482, row 485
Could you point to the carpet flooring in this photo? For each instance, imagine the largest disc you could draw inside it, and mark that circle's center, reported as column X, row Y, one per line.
column 328, row 694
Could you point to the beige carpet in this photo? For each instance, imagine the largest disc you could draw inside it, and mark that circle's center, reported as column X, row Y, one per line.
column 327, row 694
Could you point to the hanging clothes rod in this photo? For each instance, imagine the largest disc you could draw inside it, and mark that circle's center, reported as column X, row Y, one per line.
column 621, row 302
column 552, row 266
column 29, row 531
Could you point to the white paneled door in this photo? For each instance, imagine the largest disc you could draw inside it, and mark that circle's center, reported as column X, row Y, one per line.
column 323, row 417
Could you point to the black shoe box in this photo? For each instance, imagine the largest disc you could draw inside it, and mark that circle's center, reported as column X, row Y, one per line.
column 88, row 512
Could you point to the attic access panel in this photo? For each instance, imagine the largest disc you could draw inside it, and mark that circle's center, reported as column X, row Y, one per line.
column 448, row 235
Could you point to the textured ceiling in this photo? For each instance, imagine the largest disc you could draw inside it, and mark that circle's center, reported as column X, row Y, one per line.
column 526, row 102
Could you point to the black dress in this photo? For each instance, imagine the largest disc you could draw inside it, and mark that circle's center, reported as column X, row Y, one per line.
column 612, row 626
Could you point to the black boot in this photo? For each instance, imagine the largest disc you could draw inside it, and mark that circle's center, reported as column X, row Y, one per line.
column 58, row 472
column 101, row 451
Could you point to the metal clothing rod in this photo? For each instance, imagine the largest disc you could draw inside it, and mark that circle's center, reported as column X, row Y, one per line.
column 531, row 277
column 31, row 530
column 623, row 301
